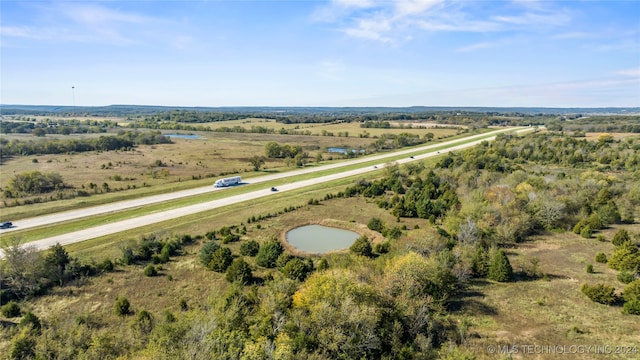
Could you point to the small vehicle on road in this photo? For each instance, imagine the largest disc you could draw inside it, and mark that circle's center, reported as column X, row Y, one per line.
column 274, row 189
column 375, row 166
column 411, row 157
column 6, row 224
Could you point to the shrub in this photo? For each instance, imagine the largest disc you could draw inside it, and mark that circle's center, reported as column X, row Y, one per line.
column 362, row 247
column 106, row 265
column 382, row 248
column 586, row 232
column 601, row 238
column 296, row 269
column 249, row 248
column 143, row 322
column 10, row 310
column 23, row 346
column 621, row 236
column 632, row 291
column 239, row 271
column 323, row 264
column 268, row 253
column 500, row 268
column 601, row 258
column 631, row 307
column 589, row 269
column 30, row 319
column 182, row 304
column 600, row 293
column 221, row 259
column 121, row 306
column 626, row 257
column 150, row 270
column 625, row 277
column 207, row 250
column 376, row 224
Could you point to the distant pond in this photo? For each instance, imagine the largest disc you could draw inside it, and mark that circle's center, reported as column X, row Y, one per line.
column 320, row 239
column 183, row 136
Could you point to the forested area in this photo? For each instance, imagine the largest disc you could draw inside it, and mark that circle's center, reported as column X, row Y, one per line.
column 383, row 300
column 123, row 140
column 57, row 126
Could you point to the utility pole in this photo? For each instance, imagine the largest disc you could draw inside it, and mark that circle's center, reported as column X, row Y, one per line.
column 73, row 95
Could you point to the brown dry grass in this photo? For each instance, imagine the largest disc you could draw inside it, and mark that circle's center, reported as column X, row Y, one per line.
column 551, row 311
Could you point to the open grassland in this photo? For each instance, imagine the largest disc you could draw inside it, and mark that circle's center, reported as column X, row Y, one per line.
column 353, row 129
column 552, row 310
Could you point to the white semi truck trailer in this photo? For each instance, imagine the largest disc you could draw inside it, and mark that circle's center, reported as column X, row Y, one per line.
column 228, row 181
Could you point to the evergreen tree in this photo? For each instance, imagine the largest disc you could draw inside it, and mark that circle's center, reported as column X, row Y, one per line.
column 268, row 253
column 500, row 268
column 362, row 246
column 239, row 271
column 621, row 236
column 221, row 259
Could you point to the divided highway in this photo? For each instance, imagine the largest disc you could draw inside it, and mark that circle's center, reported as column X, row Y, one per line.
column 144, row 220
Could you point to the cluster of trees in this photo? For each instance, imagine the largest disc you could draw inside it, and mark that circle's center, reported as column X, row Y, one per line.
column 276, row 150
column 62, row 127
column 25, row 272
column 508, row 153
column 32, row 183
column 123, row 140
column 409, row 196
column 396, row 141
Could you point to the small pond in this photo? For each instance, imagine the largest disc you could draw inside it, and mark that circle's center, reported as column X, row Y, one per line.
column 343, row 150
column 320, row 239
column 183, row 136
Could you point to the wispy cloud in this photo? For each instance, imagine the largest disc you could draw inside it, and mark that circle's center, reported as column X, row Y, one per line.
column 82, row 22
column 477, row 46
column 332, row 69
column 630, row 72
column 389, row 21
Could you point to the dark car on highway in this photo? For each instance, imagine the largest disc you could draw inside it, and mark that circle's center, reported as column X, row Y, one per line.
column 5, row 225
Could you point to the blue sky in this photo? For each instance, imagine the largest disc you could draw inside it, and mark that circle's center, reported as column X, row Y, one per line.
column 321, row 53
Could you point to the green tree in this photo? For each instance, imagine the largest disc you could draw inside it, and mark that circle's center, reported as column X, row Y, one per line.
column 268, row 253
column 150, row 270
column 480, row 262
column 249, row 248
column 10, row 309
column 23, row 346
column 221, row 259
column 56, row 261
column 239, row 271
column 207, row 250
column 625, row 257
column 376, row 224
column 362, row 247
column 600, row 293
column 296, row 269
column 620, row 237
column 121, row 306
column 257, row 161
column 500, row 268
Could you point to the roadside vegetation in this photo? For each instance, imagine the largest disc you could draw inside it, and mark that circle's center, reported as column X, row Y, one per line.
column 488, row 246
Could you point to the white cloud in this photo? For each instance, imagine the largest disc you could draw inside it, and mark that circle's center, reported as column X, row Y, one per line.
column 332, row 69
column 390, row 21
column 630, row 72
column 477, row 46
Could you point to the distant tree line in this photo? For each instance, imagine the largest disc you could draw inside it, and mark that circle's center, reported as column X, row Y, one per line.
column 62, row 127
column 123, row 140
